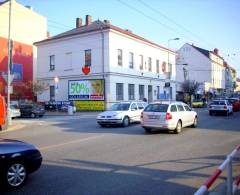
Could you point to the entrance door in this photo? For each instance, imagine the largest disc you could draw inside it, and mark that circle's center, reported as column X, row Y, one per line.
column 150, row 94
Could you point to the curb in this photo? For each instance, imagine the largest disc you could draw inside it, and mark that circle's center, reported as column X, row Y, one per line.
column 12, row 128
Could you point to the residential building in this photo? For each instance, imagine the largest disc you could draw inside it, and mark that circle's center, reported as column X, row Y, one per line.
column 201, row 65
column 231, row 79
column 27, row 27
column 237, row 89
column 124, row 65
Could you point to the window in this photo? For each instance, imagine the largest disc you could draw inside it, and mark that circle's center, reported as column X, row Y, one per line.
column 140, row 106
column 157, row 66
column 52, row 62
column 88, row 57
column 170, row 69
column 158, row 92
column 187, row 108
column 173, row 108
column 119, row 57
column 180, row 108
column 150, row 64
column 156, row 108
column 131, row 92
column 119, row 91
column 69, row 60
column 141, row 92
column 134, row 106
column 131, row 60
column 52, row 92
column 141, row 62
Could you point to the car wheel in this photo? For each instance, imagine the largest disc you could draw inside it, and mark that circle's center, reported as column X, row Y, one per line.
column 195, row 122
column 40, row 116
column 126, row 121
column 147, row 130
column 15, row 175
column 178, row 127
column 33, row 115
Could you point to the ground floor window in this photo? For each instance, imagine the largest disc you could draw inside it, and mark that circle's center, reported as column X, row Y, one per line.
column 141, row 92
column 158, row 92
column 131, row 92
column 119, row 91
column 52, row 92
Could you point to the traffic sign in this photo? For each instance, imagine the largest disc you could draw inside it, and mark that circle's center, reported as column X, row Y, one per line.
column 5, row 76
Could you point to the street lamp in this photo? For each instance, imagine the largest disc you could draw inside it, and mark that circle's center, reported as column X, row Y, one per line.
column 170, row 67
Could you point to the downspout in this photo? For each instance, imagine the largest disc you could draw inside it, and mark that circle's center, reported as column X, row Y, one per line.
column 103, row 68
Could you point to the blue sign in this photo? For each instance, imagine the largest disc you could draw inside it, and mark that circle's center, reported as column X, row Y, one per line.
column 17, row 71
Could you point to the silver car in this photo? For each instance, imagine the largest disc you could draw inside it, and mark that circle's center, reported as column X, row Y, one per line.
column 122, row 113
column 169, row 116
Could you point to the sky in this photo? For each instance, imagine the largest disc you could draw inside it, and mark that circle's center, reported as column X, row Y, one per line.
column 207, row 24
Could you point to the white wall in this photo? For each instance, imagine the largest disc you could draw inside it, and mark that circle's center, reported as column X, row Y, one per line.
column 26, row 25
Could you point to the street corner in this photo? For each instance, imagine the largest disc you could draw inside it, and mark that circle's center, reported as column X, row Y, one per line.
column 13, row 127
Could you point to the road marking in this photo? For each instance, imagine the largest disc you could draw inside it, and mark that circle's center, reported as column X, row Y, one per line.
column 68, row 143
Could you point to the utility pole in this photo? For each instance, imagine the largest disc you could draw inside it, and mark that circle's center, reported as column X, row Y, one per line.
column 9, row 119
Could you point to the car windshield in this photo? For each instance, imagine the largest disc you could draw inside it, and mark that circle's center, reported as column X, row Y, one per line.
column 218, row 103
column 13, row 106
column 156, row 108
column 120, row 107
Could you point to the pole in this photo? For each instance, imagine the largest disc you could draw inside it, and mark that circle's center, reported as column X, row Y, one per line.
column 9, row 119
column 229, row 176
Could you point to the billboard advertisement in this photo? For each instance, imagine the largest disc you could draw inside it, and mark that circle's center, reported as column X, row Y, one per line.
column 90, row 90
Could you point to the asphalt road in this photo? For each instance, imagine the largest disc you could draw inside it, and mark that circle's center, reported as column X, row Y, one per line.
column 82, row 158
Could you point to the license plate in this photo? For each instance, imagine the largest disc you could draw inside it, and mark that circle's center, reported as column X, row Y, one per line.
column 154, row 117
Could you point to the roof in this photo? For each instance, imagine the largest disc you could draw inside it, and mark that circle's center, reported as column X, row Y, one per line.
column 97, row 26
column 203, row 51
column 3, row 2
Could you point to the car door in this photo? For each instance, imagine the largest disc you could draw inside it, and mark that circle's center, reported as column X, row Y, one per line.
column 134, row 112
column 189, row 115
column 182, row 114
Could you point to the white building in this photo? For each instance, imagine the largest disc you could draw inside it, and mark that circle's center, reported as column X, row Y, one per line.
column 203, row 66
column 132, row 67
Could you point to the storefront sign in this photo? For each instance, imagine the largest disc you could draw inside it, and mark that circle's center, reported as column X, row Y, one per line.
column 86, row 89
column 89, row 105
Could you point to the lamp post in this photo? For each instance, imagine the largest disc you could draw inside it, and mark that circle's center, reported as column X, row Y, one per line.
column 170, row 67
column 9, row 119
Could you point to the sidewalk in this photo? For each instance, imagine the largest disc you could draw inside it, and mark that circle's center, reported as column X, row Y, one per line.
column 58, row 113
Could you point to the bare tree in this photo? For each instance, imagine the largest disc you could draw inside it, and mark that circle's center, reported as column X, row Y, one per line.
column 37, row 87
column 190, row 87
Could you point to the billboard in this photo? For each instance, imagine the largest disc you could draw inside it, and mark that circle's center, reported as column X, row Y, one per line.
column 91, row 90
column 17, row 71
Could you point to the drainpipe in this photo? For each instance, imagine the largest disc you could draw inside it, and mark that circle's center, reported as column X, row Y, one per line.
column 103, row 68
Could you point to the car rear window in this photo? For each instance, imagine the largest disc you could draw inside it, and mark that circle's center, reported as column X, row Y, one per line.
column 173, row 108
column 218, row 103
column 180, row 108
column 156, row 108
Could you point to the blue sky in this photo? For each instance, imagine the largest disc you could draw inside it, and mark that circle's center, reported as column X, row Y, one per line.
column 205, row 23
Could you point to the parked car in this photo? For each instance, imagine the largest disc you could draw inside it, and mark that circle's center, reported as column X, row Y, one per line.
column 168, row 116
column 17, row 160
column 32, row 110
column 14, row 111
column 220, row 107
column 235, row 103
column 121, row 114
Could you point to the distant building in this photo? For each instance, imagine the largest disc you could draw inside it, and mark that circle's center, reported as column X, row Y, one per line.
column 237, row 89
column 122, row 64
column 204, row 66
column 27, row 27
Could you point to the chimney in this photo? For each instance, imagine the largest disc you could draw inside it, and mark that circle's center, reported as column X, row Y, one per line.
column 88, row 20
column 48, row 35
column 216, row 51
column 78, row 22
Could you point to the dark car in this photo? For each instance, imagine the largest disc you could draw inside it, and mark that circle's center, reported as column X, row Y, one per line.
column 32, row 110
column 236, row 104
column 17, row 160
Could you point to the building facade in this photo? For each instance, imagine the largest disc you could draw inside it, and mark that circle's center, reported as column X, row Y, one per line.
column 205, row 67
column 125, row 65
column 27, row 27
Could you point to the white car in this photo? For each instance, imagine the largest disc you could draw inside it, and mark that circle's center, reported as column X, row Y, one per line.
column 121, row 114
column 220, row 106
column 14, row 111
column 169, row 116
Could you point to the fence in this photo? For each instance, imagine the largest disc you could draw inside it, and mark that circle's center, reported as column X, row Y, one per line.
column 231, row 186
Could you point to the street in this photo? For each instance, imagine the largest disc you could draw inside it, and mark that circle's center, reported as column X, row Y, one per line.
column 82, row 158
